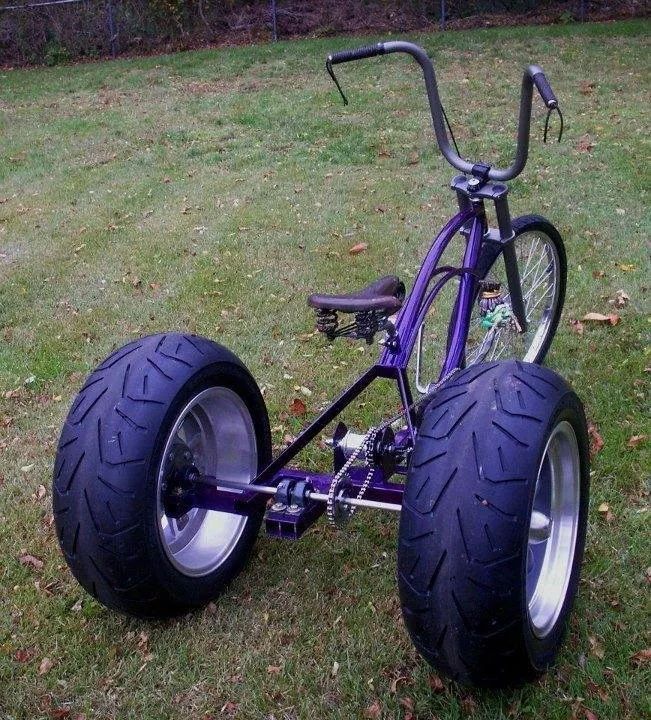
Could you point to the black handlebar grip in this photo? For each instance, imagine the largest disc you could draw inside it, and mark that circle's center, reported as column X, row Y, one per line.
column 357, row 54
column 545, row 90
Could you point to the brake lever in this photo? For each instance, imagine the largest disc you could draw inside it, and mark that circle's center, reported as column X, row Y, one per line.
column 331, row 72
column 560, row 115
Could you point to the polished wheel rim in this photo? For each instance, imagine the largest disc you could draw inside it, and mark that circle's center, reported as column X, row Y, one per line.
column 216, row 426
column 553, row 529
column 539, row 268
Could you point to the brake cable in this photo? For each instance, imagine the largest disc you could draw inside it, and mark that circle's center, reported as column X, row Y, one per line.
column 560, row 115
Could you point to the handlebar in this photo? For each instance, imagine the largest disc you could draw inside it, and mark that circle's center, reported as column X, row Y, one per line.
column 533, row 75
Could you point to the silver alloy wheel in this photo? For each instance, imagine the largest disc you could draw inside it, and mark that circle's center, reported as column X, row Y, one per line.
column 553, row 529
column 217, row 427
column 539, row 267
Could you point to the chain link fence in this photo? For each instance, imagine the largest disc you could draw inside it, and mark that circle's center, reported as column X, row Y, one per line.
column 55, row 31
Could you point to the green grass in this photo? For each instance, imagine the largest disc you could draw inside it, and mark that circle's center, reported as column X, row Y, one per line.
column 211, row 191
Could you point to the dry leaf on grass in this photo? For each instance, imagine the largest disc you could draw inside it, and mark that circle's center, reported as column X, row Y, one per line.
column 45, row 666
column 621, row 299
column 358, row 248
column 577, row 326
column 585, row 144
column 610, row 319
column 635, row 440
column 373, row 711
column 24, row 655
column 30, row 561
column 435, row 683
column 274, row 669
column 641, row 657
column 297, row 407
column 596, row 441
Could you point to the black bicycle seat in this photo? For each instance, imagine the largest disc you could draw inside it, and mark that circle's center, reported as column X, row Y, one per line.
column 385, row 294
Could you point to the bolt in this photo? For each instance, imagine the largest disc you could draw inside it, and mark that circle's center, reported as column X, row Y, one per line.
column 279, row 507
column 294, row 509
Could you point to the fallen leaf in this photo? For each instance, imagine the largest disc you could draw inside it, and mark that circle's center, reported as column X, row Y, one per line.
column 30, row 561
column 596, row 441
column 435, row 683
column 588, row 714
column 621, row 299
column 27, row 468
column 357, row 249
column 586, row 87
column 274, row 669
column 407, row 703
column 634, row 441
column 577, row 326
column 45, row 666
column 610, row 319
column 596, row 274
column 414, row 158
column 335, row 669
column 585, row 144
column 626, row 267
column 383, row 152
column 24, row 655
column 604, row 509
column 598, row 691
column 297, row 407
column 60, row 713
column 641, row 657
column 373, row 711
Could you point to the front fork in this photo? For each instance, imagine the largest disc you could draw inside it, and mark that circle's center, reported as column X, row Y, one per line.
column 515, row 287
column 501, row 238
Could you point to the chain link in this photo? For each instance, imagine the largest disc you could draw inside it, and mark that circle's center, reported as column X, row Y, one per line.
column 367, row 445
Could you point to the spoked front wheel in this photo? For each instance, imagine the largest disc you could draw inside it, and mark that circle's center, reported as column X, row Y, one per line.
column 494, row 333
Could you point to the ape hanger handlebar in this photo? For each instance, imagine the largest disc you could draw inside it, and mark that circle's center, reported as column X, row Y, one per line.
column 533, row 75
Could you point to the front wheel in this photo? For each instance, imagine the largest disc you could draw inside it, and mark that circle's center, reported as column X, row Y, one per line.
column 542, row 267
column 157, row 402
column 493, row 523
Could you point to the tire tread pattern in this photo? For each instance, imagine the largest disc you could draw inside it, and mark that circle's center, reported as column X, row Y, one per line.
column 105, row 454
column 464, row 521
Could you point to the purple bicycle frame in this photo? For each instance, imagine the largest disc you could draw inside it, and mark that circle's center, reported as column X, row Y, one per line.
column 392, row 364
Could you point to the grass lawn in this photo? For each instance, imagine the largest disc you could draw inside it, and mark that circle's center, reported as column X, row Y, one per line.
column 211, row 191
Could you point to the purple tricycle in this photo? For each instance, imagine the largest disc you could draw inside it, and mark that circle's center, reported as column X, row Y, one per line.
column 164, row 471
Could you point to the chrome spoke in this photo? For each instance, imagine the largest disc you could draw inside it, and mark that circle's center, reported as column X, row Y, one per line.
column 539, row 266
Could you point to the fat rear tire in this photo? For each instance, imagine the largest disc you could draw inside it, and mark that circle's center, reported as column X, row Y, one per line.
column 465, row 522
column 106, row 473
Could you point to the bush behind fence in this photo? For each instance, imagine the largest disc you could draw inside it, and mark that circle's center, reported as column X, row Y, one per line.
column 54, row 31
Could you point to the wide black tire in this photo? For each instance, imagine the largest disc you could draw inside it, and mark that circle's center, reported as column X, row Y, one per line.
column 464, row 527
column 491, row 266
column 105, row 485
